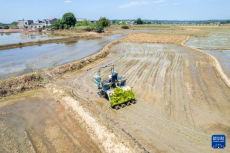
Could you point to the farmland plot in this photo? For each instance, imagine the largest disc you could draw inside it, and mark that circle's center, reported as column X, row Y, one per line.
column 182, row 101
column 215, row 41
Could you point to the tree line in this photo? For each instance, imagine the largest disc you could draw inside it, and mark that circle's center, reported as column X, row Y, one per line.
column 69, row 21
column 13, row 25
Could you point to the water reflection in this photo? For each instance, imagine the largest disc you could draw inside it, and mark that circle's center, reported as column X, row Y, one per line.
column 11, row 38
column 14, row 62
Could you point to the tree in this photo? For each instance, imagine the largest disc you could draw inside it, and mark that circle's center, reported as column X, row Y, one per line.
column 86, row 22
column 103, row 22
column 114, row 21
column 14, row 23
column 57, row 24
column 68, row 20
column 99, row 29
column 139, row 21
column 123, row 23
column 6, row 27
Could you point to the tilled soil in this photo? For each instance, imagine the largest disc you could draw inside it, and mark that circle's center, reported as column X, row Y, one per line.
column 34, row 122
column 182, row 100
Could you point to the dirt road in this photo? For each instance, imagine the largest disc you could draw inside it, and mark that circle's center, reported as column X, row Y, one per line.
column 182, row 101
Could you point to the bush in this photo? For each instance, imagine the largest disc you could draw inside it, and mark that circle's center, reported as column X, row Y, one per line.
column 123, row 23
column 40, row 29
column 99, row 29
column 103, row 22
column 71, row 28
column 6, row 27
column 66, row 26
column 86, row 22
column 57, row 24
column 89, row 29
column 125, row 27
column 79, row 24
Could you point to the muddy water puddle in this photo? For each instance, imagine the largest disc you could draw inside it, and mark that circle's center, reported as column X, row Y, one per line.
column 14, row 62
column 223, row 57
column 39, row 124
column 11, row 38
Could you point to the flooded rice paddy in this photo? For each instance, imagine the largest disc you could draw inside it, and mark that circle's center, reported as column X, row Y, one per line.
column 15, row 62
column 11, row 38
column 216, row 40
column 34, row 122
column 135, row 31
column 181, row 100
column 218, row 45
column 223, row 57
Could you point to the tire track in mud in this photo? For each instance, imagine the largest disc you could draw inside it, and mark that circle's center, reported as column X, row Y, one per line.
column 171, row 114
column 35, row 123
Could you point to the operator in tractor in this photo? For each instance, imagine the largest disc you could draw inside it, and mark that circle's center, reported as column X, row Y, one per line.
column 114, row 80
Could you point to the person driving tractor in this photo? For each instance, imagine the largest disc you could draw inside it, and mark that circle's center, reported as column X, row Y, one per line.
column 114, row 80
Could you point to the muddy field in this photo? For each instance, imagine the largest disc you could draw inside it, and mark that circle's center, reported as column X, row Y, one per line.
column 34, row 122
column 182, row 101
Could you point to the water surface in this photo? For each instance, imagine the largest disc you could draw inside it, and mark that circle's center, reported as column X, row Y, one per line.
column 18, row 61
column 135, row 31
column 216, row 40
column 214, row 43
column 11, row 38
column 223, row 57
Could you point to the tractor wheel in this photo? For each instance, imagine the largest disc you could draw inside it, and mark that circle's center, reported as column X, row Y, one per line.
column 128, row 103
column 117, row 107
column 123, row 105
column 133, row 101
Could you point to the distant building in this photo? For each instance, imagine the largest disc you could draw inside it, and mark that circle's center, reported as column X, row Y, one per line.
column 130, row 22
column 24, row 23
column 94, row 21
column 49, row 22
column 79, row 20
column 38, row 24
column 216, row 23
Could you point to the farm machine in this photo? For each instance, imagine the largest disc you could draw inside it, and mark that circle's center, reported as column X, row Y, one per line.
column 119, row 94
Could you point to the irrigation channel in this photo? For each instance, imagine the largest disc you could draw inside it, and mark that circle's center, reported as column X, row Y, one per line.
column 182, row 102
